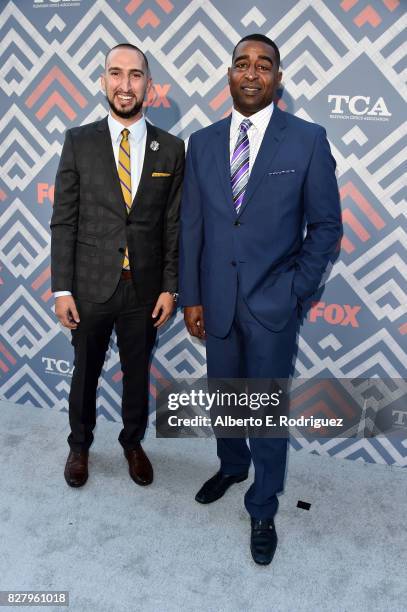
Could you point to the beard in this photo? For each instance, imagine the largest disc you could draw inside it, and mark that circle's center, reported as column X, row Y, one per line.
column 125, row 114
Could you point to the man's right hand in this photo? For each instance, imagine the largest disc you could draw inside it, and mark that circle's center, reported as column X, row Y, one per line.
column 194, row 321
column 65, row 309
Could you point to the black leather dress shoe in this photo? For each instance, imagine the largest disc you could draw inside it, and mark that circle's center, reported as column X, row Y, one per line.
column 216, row 487
column 263, row 541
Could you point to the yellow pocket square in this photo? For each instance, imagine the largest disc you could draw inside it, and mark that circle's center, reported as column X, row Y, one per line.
column 161, row 174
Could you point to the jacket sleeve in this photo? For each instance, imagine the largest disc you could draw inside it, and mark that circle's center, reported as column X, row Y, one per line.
column 64, row 220
column 192, row 235
column 323, row 219
column 171, row 226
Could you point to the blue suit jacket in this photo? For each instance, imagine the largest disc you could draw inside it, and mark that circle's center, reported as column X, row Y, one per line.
column 264, row 248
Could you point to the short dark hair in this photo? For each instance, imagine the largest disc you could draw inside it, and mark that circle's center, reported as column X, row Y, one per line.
column 128, row 46
column 260, row 38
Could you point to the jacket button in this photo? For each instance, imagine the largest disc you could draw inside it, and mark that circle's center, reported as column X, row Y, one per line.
column 121, row 250
column 128, row 222
column 237, row 223
column 233, row 263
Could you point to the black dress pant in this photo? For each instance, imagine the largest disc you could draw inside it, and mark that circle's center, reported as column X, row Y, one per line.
column 136, row 335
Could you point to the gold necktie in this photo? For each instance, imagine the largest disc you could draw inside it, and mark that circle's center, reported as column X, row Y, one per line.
column 124, row 171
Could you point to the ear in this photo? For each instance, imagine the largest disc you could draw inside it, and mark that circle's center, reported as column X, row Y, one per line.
column 103, row 82
column 279, row 77
column 229, row 69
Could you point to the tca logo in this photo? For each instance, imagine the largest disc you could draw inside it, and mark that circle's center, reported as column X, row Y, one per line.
column 358, row 105
column 334, row 314
column 57, row 366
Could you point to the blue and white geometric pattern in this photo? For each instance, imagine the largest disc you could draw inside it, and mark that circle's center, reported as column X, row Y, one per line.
column 344, row 67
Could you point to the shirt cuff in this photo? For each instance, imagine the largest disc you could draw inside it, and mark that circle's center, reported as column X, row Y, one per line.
column 61, row 293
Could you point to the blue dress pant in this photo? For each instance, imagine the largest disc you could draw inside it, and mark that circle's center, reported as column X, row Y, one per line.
column 252, row 351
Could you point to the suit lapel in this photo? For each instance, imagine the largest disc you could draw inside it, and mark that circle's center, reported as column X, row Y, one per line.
column 105, row 148
column 273, row 136
column 222, row 156
column 150, row 159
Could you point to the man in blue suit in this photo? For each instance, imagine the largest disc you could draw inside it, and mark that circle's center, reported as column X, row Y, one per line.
column 253, row 183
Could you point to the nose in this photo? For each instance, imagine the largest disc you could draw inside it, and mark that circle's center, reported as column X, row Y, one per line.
column 251, row 72
column 125, row 84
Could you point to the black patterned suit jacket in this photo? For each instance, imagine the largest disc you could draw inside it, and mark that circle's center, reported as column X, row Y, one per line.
column 90, row 226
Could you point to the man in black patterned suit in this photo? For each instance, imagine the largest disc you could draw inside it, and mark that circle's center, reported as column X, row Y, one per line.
column 114, row 253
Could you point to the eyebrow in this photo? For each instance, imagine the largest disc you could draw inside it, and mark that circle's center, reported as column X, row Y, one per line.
column 121, row 69
column 264, row 57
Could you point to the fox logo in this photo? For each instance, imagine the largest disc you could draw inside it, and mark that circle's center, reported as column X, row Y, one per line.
column 335, row 314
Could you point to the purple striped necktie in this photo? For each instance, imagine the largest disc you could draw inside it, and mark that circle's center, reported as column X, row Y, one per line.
column 239, row 165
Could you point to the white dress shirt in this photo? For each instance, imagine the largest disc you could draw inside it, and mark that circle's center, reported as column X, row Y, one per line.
column 137, row 142
column 255, row 133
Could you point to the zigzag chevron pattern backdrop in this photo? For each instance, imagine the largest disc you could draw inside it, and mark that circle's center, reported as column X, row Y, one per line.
column 343, row 66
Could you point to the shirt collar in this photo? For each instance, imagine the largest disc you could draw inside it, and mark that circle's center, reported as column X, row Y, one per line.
column 259, row 120
column 137, row 129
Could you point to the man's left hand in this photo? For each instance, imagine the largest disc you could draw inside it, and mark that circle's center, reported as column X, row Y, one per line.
column 164, row 307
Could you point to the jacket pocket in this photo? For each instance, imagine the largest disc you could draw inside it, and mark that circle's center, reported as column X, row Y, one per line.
column 84, row 249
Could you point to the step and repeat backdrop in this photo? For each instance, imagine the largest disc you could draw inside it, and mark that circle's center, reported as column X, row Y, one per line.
column 343, row 67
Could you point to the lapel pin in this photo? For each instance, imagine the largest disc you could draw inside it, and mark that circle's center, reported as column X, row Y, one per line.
column 154, row 145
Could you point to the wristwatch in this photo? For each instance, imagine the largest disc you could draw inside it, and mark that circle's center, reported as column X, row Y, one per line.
column 174, row 295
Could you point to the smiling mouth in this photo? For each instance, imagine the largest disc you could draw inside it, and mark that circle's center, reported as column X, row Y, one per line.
column 124, row 99
column 251, row 90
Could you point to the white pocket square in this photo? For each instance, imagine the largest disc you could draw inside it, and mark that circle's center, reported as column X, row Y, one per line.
column 282, row 172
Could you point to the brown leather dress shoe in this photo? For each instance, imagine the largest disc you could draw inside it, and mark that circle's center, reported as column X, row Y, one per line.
column 76, row 468
column 140, row 468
